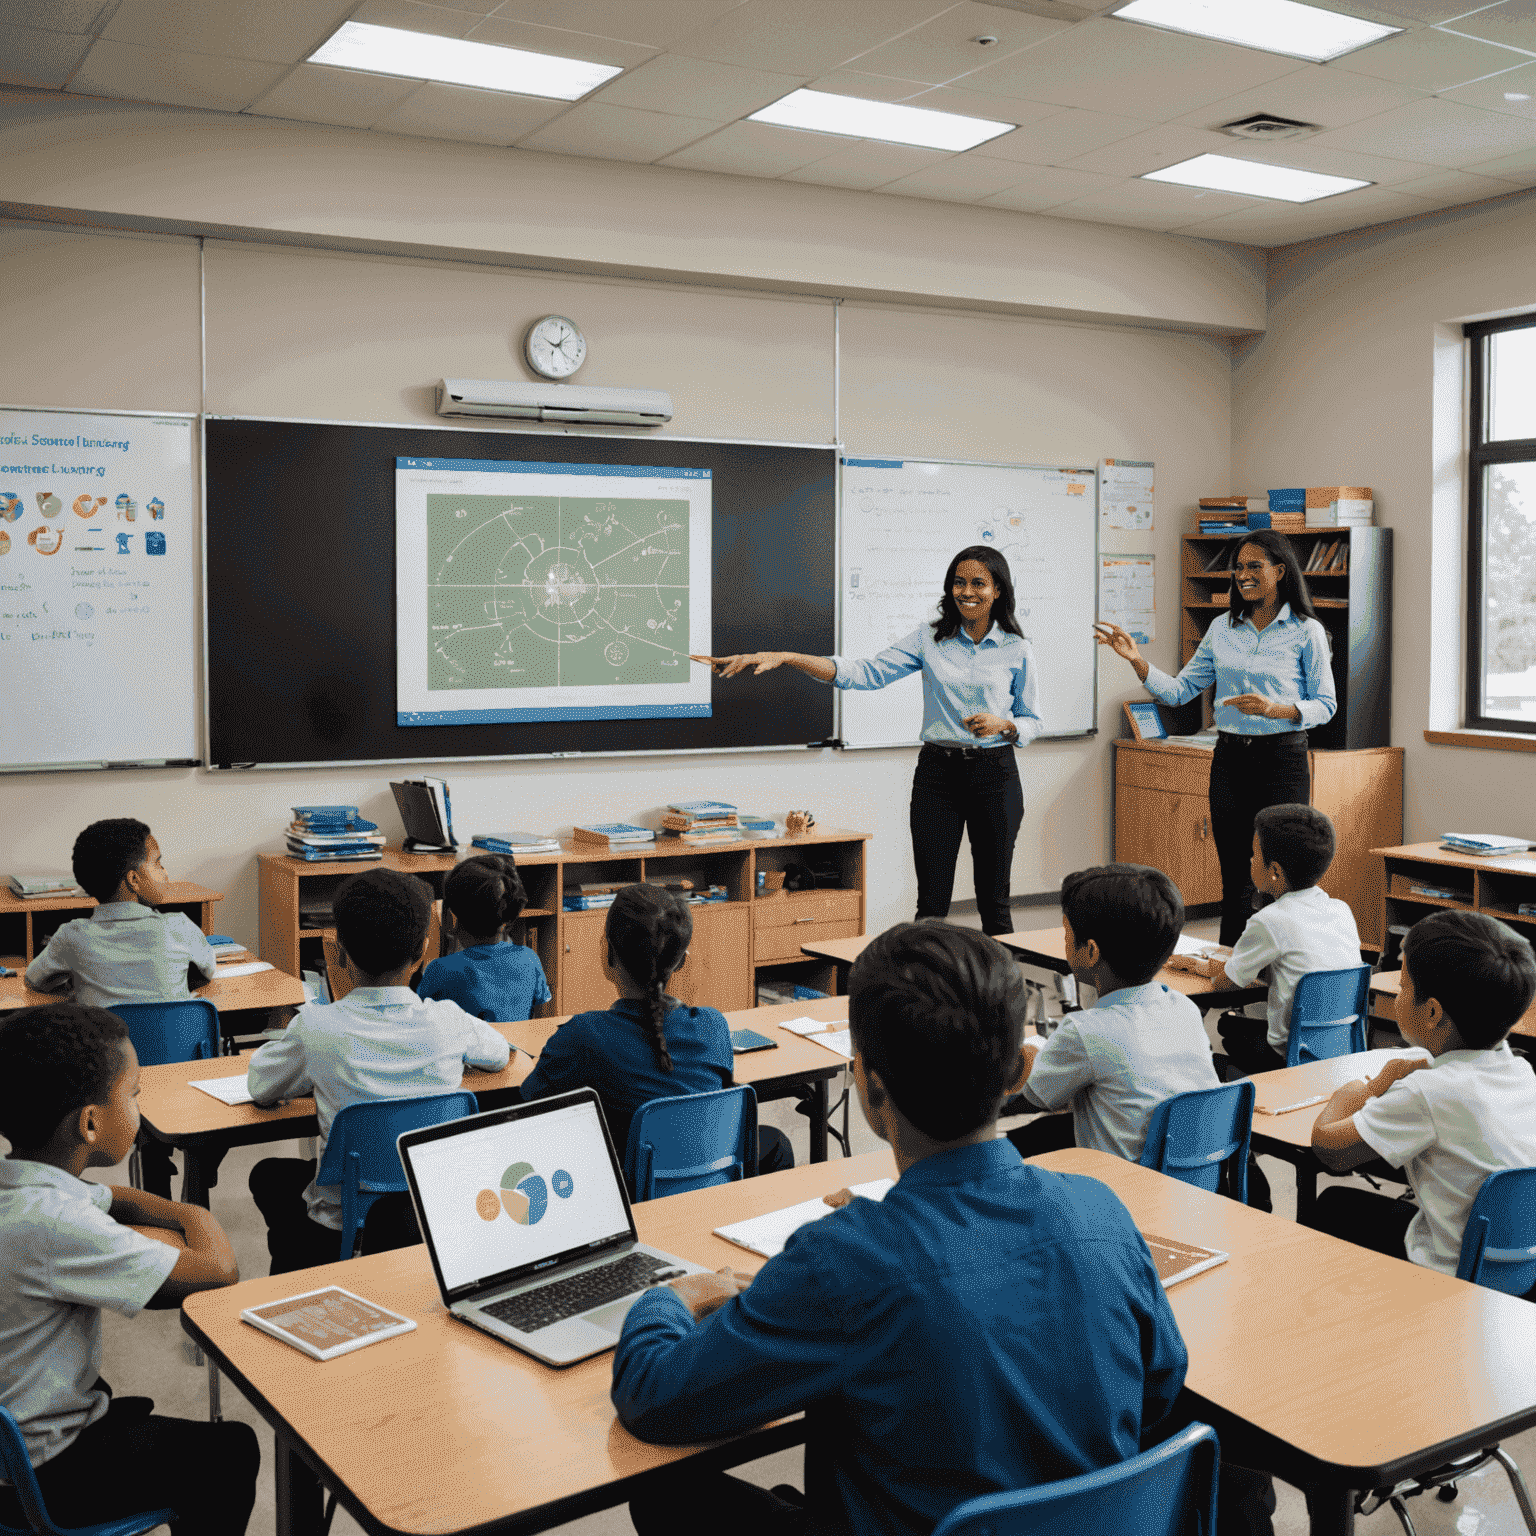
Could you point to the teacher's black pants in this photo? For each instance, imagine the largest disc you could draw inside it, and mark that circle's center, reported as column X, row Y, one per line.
column 1248, row 773
column 975, row 790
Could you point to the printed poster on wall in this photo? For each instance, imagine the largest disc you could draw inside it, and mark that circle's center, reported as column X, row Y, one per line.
column 1126, row 493
column 1126, row 586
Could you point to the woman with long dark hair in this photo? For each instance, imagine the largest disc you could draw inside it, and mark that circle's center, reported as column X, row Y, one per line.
column 1274, row 681
column 979, row 699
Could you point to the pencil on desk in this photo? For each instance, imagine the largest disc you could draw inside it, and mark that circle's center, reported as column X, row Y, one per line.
column 1285, row 1109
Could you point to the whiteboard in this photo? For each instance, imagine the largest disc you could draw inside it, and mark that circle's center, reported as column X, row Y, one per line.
column 99, row 525
column 902, row 522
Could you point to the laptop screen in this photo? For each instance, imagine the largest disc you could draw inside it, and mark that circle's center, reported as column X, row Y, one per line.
column 514, row 1190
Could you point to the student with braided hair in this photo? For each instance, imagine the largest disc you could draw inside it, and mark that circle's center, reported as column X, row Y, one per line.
column 648, row 1045
column 489, row 977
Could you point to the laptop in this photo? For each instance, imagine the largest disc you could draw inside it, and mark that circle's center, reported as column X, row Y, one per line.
column 528, row 1224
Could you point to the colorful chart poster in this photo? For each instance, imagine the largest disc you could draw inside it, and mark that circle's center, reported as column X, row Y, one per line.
column 1126, row 586
column 1126, row 489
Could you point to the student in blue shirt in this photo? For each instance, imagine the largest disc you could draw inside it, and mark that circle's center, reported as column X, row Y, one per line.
column 647, row 1045
column 1273, row 673
column 980, row 697
column 987, row 1326
column 489, row 976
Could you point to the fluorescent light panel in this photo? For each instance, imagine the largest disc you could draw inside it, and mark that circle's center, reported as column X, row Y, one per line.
column 1253, row 178
column 422, row 56
column 855, row 118
column 1274, row 26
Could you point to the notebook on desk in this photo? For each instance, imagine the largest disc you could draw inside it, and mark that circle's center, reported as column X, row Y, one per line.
column 529, row 1228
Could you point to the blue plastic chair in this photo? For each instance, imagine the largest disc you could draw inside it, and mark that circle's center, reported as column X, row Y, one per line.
column 187, row 1030
column 1328, row 1015
column 1167, row 1491
column 361, row 1155
column 1194, row 1135
column 1498, row 1247
column 17, row 1467
column 691, row 1142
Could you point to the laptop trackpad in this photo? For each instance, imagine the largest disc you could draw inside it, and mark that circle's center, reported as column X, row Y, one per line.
column 611, row 1318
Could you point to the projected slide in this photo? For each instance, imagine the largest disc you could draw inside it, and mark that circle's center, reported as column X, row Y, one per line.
column 530, row 591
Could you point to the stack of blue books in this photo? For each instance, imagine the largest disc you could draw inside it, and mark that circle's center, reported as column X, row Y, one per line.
column 321, row 832
column 514, row 842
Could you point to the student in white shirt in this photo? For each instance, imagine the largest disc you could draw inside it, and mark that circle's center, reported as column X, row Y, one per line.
column 1449, row 1122
column 1140, row 1043
column 1303, row 929
column 381, row 1041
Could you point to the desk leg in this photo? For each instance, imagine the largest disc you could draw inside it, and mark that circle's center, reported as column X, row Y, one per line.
column 821, row 1101
column 194, row 1183
column 300, row 1498
column 1306, row 1188
column 1331, row 1511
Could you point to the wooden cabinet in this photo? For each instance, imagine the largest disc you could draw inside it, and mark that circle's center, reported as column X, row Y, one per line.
column 26, row 926
column 1495, row 886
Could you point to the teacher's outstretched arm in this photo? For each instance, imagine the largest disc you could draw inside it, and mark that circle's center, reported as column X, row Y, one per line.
column 1198, row 674
column 823, row 668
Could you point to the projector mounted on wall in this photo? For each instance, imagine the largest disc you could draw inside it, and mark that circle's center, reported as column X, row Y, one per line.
column 517, row 401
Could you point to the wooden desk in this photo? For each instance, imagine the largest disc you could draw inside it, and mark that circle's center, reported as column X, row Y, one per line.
column 446, row 1430
column 841, row 952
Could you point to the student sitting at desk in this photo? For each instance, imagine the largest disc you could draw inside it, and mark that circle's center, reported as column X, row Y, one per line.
column 987, row 1326
column 648, row 1045
column 1140, row 1043
column 69, row 1081
column 488, row 976
column 1447, row 1123
column 380, row 1041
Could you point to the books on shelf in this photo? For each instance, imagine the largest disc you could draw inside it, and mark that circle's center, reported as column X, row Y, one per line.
column 1291, row 498
column 703, row 834
column 1342, row 514
column 335, row 853
column 365, row 834
column 750, row 821
column 330, row 819
column 576, row 901
column 613, row 834
column 675, row 821
column 1281, row 522
column 427, row 812
column 1484, row 844
column 1330, row 559
column 1223, row 502
column 514, row 842
column 701, row 808
column 33, row 887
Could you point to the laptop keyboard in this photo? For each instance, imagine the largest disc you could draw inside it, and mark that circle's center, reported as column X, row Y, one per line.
column 530, row 1311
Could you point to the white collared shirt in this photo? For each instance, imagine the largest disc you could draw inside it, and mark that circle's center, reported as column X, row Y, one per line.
column 1301, row 931
column 124, row 953
column 1448, row 1126
column 1117, row 1061
column 376, row 1043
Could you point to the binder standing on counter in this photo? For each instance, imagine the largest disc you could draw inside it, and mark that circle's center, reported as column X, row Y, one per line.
column 427, row 813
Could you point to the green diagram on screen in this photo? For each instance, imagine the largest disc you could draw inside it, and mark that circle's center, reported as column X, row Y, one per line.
column 556, row 591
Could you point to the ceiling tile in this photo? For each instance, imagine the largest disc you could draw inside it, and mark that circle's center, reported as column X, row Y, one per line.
column 54, row 15
column 1445, row 189
column 1151, row 150
column 942, row 49
column 803, row 37
column 1153, row 201
column 961, row 179
column 409, row 16
column 1291, row 223
column 1513, row 24
column 1045, row 186
column 1008, row 109
column 438, row 111
column 315, row 93
column 617, row 133
column 656, row 23
column 850, row 82
column 860, row 164
column 754, row 149
column 697, row 87
column 563, row 45
column 1489, row 94
column 1416, row 12
column 1329, row 98
column 1519, row 168
column 1428, row 60
column 1435, row 132
column 175, row 79
column 1308, row 155
column 1141, row 71
column 1061, row 137
column 42, row 59
column 276, row 31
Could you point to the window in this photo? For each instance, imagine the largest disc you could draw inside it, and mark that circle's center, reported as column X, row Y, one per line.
column 1501, row 499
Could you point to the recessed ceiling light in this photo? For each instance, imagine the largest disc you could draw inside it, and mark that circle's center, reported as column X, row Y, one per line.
column 1253, row 178
column 1274, row 26
column 1516, row 96
column 422, row 56
column 856, row 118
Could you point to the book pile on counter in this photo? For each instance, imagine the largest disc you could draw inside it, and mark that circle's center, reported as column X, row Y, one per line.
column 613, row 834
column 514, row 843
column 228, row 949
column 333, row 832
column 594, row 896
column 1483, row 845
column 1340, row 506
column 37, row 887
column 1222, row 515
column 712, row 821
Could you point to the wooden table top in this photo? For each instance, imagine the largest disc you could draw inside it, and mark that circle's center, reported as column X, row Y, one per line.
column 445, row 1429
column 1386, row 985
column 1048, row 947
column 178, row 893
column 1433, row 853
column 1290, row 1085
column 261, row 989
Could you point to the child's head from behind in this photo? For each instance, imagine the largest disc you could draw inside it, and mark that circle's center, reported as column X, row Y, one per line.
column 58, row 1060
column 1134, row 913
column 937, row 1014
column 382, row 918
column 485, row 894
column 1299, row 838
column 108, row 853
column 1482, row 973
column 649, row 930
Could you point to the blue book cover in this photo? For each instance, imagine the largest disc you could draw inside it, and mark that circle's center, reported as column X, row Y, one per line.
column 701, row 807
column 325, row 812
column 616, row 832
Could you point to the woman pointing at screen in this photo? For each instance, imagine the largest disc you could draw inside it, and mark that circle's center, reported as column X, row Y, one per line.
column 979, row 701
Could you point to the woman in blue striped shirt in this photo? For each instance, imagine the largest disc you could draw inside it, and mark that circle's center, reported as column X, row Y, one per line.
column 1273, row 673
column 979, row 698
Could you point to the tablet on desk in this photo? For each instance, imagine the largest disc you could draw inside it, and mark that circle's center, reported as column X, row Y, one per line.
column 744, row 1040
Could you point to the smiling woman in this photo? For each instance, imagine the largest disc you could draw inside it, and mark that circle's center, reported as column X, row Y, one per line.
column 980, row 696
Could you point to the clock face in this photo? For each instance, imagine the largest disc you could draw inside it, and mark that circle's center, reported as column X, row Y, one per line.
column 554, row 347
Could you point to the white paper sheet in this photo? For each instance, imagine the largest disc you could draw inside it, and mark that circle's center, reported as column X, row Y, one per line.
column 1198, row 949
column 805, row 1026
column 1126, row 594
column 243, row 968
column 768, row 1234
column 838, row 1041
column 227, row 1090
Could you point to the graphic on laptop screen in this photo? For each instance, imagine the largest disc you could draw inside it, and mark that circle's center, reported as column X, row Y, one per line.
column 517, row 1192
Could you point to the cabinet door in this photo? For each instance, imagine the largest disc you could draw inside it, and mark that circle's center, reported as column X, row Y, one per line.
column 1171, row 833
column 582, row 982
column 718, row 973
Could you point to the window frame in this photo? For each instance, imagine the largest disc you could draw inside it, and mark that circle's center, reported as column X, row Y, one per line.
column 1482, row 452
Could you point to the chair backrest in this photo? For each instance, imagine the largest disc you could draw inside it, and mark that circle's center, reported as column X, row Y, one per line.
column 691, row 1141
column 1194, row 1135
column 1167, row 1491
column 17, row 1467
column 338, row 977
column 1328, row 1015
column 186, row 1030
column 361, row 1155
column 1498, row 1248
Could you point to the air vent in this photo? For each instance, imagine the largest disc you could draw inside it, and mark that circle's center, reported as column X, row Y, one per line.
column 1264, row 125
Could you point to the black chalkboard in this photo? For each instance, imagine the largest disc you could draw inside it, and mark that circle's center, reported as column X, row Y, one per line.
column 300, row 540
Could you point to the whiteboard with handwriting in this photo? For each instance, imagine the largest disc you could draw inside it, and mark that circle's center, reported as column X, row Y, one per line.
column 903, row 520
column 99, row 634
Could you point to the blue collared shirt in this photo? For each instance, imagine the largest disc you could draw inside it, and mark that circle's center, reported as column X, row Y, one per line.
column 987, row 1326
column 961, row 677
column 1286, row 661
